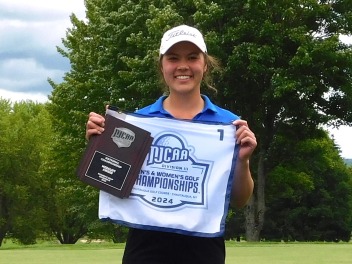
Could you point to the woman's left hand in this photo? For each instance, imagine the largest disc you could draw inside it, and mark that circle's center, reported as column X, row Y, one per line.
column 245, row 138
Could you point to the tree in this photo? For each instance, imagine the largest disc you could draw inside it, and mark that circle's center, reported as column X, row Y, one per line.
column 283, row 65
column 71, row 205
column 309, row 191
column 23, row 147
column 5, row 109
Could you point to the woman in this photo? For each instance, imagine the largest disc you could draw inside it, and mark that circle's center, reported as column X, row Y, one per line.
column 184, row 63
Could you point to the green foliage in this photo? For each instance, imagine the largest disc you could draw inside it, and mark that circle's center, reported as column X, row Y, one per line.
column 235, row 225
column 23, row 148
column 72, row 206
column 107, row 231
column 309, row 192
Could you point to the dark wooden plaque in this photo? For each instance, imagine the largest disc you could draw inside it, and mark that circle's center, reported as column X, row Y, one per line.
column 112, row 160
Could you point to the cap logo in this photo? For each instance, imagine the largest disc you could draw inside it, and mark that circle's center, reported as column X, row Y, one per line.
column 123, row 137
column 180, row 33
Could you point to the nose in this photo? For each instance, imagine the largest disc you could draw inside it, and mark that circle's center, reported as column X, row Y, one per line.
column 183, row 67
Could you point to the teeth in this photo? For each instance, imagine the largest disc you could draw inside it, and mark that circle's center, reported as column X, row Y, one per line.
column 183, row 77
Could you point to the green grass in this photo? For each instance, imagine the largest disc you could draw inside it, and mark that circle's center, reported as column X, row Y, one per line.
column 289, row 253
column 53, row 253
column 243, row 253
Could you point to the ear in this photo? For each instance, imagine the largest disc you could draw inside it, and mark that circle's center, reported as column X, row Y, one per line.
column 205, row 68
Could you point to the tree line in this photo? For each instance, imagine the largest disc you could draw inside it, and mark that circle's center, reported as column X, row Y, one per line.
column 284, row 70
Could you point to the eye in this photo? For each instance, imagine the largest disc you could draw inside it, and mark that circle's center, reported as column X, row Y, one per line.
column 171, row 58
column 193, row 57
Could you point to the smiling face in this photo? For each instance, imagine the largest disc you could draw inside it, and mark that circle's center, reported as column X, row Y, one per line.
column 183, row 67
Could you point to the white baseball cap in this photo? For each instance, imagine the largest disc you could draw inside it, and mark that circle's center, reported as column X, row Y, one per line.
column 182, row 33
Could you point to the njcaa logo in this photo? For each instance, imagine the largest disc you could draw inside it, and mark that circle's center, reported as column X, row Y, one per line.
column 123, row 137
column 172, row 176
column 169, row 149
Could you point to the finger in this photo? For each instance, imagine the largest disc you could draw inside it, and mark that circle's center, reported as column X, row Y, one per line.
column 248, row 141
column 243, row 132
column 96, row 121
column 94, row 115
column 248, row 146
column 95, row 124
column 97, row 130
column 95, row 118
column 240, row 122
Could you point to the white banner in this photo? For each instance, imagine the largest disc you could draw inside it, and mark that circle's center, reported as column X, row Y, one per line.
column 185, row 183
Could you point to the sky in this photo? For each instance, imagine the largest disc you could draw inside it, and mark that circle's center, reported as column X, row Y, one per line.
column 29, row 34
column 30, row 31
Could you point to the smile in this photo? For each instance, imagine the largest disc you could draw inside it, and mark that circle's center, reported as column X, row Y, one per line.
column 183, row 77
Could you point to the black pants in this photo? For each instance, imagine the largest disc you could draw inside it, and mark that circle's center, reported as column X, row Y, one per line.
column 153, row 247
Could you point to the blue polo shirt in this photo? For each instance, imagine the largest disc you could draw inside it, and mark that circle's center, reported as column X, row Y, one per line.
column 210, row 112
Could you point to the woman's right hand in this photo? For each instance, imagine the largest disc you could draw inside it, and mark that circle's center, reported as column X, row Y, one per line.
column 95, row 125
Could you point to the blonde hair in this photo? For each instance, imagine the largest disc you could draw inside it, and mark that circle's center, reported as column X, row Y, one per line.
column 213, row 66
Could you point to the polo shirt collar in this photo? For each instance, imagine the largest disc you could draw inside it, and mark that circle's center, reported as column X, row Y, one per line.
column 157, row 107
column 208, row 105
